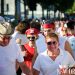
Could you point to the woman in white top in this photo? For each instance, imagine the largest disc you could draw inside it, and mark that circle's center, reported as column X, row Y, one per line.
column 54, row 60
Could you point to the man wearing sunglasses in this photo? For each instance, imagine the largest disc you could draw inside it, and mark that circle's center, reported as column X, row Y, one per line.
column 10, row 52
column 53, row 61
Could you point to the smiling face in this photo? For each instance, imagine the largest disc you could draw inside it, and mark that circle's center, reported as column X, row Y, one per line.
column 52, row 42
column 31, row 37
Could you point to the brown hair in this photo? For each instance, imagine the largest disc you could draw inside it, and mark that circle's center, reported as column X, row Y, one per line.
column 52, row 35
column 22, row 27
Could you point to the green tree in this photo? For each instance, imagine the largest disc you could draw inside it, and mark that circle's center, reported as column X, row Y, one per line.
column 71, row 10
column 63, row 5
column 32, row 6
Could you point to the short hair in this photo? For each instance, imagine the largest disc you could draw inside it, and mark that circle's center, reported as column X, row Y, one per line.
column 22, row 26
column 36, row 25
column 71, row 25
column 54, row 35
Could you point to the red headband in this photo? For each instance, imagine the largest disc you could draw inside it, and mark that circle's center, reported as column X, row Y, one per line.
column 32, row 31
column 48, row 25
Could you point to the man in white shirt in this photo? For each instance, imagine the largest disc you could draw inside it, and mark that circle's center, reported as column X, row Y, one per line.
column 10, row 52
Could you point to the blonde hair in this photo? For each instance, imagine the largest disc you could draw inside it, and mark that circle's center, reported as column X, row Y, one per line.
column 54, row 35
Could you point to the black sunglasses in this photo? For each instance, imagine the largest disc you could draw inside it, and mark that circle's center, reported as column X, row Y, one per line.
column 31, row 38
column 50, row 43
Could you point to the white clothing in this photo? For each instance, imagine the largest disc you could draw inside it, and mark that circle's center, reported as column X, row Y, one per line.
column 62, row 41
column 23, row 37
column 71, row 40
column 59, row 31
column 41, row 45
column 8, row 56
column 47, row 66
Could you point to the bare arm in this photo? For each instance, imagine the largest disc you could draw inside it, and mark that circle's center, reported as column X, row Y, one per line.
column 25, row 69
column 68, row 47
column 35, row 56
column 35, row 72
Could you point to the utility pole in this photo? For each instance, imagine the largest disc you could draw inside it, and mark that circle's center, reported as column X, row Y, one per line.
column 2, row 7
column 17, row 10
column 25, row 3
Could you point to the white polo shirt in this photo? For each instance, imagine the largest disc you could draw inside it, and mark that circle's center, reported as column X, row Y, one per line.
column 47, row 66
column 8, row 56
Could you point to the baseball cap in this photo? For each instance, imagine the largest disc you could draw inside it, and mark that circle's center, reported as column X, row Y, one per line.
column 5, row 28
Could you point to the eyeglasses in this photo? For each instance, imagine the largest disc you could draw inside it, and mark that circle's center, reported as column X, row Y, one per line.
column 32, row 38
column 51, row 43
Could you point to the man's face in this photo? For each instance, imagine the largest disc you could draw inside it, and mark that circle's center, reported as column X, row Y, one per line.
column 4, row 40
column 47, row 31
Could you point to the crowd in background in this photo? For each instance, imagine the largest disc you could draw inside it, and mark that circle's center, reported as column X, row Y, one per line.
column 45, row 47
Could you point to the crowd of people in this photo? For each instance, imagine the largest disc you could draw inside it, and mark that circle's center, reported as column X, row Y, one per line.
column 36, row 48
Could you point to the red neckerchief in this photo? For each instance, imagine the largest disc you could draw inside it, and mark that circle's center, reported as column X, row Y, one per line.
column 29, row 49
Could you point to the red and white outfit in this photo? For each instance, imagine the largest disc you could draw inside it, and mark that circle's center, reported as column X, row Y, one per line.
column 30, row 54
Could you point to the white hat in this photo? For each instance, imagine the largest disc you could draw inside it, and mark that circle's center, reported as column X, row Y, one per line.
column 5, row 28
column 2, row 19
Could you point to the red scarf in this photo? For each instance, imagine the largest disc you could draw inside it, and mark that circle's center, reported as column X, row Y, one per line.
column 30, row 54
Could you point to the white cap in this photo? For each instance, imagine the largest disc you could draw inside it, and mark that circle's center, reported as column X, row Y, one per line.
column 5, row 28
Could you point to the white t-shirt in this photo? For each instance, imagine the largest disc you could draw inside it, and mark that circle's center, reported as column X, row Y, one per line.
column 40, row 43
column 8, row 56
column 23, row 37
column 47, row 66
column 62, row 41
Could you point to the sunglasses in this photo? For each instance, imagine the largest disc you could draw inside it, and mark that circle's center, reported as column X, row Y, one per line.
column 51, row 43
column 32, row 38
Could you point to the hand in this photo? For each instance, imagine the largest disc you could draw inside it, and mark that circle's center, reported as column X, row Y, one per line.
column 24, row 53
column 63, row 70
